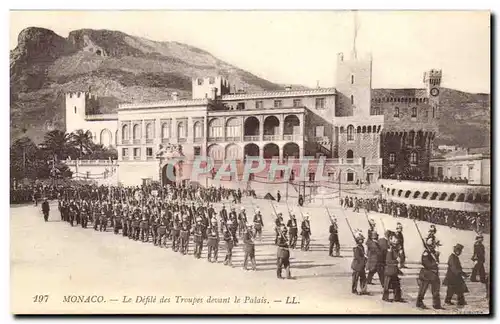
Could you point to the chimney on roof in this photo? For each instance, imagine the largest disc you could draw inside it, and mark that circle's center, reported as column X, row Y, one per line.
column 213, row 93
column 288, row 88
column 175, row 96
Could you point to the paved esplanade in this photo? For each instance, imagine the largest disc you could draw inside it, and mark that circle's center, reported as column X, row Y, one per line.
column 59, row 260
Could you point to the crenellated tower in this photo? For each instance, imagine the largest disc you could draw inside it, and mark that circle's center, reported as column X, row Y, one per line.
column 78, row 105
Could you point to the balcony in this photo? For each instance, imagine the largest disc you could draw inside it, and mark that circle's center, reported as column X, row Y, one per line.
column 138, row 157
column 251, row 138
column 165, row 140
column 137, row 141
column 272, row 137
column 292, row 137
column 182, row 140
column 233, row 138
column 149, row 141
column 198, row 139
column 150, row 158
column 350, row 161
column 216, row 139
column 125, row 141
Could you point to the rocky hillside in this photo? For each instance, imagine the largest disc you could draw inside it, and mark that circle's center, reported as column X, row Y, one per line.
column 123, row 68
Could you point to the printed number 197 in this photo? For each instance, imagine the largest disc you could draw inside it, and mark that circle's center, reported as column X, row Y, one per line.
column 40, row 298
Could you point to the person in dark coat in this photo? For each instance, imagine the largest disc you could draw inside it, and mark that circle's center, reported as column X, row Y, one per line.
column 301, row 200
column 429, row 275
column 278, row 196
column 358, row 265
column 401, row 240
column 45, row 209
column 391, row 270
column 374, row 264
column 334, row 239
column 384, row 247
column 479, row 258
column 454, row 278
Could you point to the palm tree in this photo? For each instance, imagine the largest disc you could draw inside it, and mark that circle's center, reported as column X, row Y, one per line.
column 82, row 140
column 56, row 142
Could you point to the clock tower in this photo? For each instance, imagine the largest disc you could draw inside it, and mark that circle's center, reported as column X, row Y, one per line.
column 432, row 80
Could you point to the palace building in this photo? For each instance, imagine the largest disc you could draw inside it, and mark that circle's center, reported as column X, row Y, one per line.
column 364, row 133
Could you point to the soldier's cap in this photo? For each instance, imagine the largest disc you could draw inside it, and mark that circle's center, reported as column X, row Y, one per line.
column 229, row 222
column 242, row 208
column 372, row 221
column 214, row 220
column 458, row 247
column 198, row 219
column 306, row 215
column 430, row 241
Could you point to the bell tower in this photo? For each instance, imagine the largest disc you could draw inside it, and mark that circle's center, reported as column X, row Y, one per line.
column 432, row 81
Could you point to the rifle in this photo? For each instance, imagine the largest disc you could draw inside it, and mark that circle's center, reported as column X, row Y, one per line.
column 425, row 244
column 329, row 216
column 277, row 228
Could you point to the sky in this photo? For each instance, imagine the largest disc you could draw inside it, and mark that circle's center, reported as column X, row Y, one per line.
column 300, row 47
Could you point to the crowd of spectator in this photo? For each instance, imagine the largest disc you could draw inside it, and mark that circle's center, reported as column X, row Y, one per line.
column 411, row 177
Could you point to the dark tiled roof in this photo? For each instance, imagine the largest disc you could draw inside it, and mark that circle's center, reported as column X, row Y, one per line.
column 388, row 93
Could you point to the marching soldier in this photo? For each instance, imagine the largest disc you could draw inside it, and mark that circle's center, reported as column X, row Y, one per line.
column 334, row 239
column 144, row 228
column 374, row 264
column 429, row 275
column 198, row 238
column 103, row 221
column 402, row 255
column 358, row 266
column 223, row 214
column 117, row 221
column 184, row 236
column 242, row 220
column 176, row 232
column 305, row 233
column 213, row 241
column 372, row 228
column 454, row 278
column 283, row 254
column 292, row 229
column 124, row 220
column 136, row 226
column 161, row 235
column 258, row 224
column 45, row 209
column 391, row 270
column 479, row 258
column 248, row 240
column 228, row 237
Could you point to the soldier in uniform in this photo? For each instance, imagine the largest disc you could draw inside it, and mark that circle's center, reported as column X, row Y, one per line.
column 305, row 233
column 283, row 254
column 277, row 224
column 242, row 220
column 161, row 233
column 213, row 241
column 402, row 255
column 136, row 226
column 223, row 214
column 45, row 209
column 358, row 265
column 479, row 258
column 374, row 264
column 293, row 230
column 228, row 237
column 249, row 242
column 124, row 220
column 184, row 237
column 176, row 227
column 391, row 270
column 454, row 278
column 372, row 228
column 117, row 221
column 199, row 233
column 258, row 224
column 334, row 239
column 429, row 275
column 144, row 228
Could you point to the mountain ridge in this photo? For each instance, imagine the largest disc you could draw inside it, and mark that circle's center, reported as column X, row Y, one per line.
column 122, row 68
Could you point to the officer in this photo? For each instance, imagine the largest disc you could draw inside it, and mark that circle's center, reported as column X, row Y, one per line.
column 292, row 229
column 305, row 233
column 454, row 278
column 258, row 224
column 213, row 241
column 283, row 253
column 429, row 275
column 228, row 238
column 391, row 270
column 248, row 240
column 400, row 237
column 45, row 209
column 334, row 239
column 374, row 264
column 479, row 258
column 358, row 265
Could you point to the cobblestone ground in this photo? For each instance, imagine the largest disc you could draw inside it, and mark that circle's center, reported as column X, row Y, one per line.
column 60, row 261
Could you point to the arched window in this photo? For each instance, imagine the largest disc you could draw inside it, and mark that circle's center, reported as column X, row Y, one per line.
column 359, row 129
column 352, row 78
column 369, row 129
column 136, row 131
column 198, row 130
column 75, row 109
column 433, row 112
column 233, row 128
column 352, row 100
column 363, row 130
column 181, row 130
column 215, row 129
column 125, row 135
column 165, row 130
column 396, row 112
column 350, row 133
column 413, row 158
column 149, row 131
column 414, row 112
column 350, row 154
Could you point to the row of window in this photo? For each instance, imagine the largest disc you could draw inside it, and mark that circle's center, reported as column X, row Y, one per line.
column 413, row 157
column 414, row 112
column 365, row 129
column 259, row 104
column 149, row 152
column 182, row 131
column 211, row 80
column 417, row 100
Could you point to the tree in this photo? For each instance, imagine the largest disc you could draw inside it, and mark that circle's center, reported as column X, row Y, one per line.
column 82, row 141
column 99, row 152
column 57, row 143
